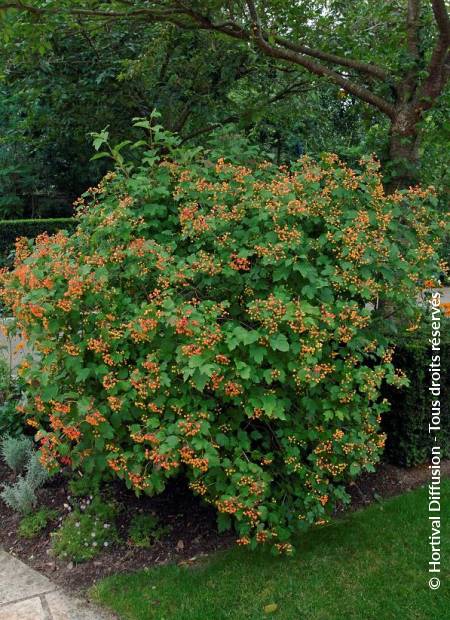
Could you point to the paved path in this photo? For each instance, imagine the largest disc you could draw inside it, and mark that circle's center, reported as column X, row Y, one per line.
column 28, row 595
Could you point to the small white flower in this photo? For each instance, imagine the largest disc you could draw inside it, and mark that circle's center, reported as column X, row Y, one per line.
column 106, row 543
column 77, row 524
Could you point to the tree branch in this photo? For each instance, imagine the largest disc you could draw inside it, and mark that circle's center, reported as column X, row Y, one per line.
column 318, row 69
column 363, row 67
column 441, row 16
column 359, row 66
column 154, row 14
column 412, row 27
column 439, row 66
column 21, row 7
column 281, row 51
column 293, row 89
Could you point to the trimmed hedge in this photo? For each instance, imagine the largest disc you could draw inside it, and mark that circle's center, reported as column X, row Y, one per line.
column 406, row 425
column 11, row 229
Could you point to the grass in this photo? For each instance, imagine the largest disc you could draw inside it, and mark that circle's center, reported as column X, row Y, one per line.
column 372, row 564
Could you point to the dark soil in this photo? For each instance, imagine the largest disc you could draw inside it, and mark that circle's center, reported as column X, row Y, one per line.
column 389, row 480
column 193, row 531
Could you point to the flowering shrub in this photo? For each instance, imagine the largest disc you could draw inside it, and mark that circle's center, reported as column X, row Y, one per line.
column 216, row 321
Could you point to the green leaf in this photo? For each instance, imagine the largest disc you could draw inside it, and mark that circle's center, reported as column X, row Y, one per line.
column 279, row 342
column 100, row 155
column 354, row 469
column 172, row 441
column 223, row 522
column 222, row 440
column 257, row 353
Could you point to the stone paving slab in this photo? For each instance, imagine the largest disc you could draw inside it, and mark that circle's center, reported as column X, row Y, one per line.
column 25, row 594
column 30, row 609
column 64, row 608
column 18, row 581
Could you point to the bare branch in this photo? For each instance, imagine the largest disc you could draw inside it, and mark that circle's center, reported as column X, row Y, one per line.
column 256, row 24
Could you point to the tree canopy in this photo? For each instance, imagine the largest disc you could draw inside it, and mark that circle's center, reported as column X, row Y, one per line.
column 327, row 75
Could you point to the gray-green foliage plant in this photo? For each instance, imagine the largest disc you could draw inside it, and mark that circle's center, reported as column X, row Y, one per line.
column 36, row 474
column 16, row 452
column 20, row 496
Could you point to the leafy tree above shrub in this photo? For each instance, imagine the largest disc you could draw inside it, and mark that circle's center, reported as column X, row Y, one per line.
column 214, row 320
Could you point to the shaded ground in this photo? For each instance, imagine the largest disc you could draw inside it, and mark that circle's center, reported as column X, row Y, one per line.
column 193, row 530
column 388, row 481
column 192, row 533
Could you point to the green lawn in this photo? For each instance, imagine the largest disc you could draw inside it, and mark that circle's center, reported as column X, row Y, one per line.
column 372, row 564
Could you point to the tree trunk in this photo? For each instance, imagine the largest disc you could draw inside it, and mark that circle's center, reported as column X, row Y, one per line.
column 402, row 168
column 404, row 141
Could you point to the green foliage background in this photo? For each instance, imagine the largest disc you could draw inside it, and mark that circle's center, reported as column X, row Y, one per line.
column 62, row 78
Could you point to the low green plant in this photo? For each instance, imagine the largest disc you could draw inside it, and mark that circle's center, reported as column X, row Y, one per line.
column 81, row 485
column 145, row 530
column 10, row 422
column 31, row 525
column 5, row 376
column 16, row 452
column 84, row 534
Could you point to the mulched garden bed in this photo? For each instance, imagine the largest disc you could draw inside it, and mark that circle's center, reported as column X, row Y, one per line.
column 193, row 531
